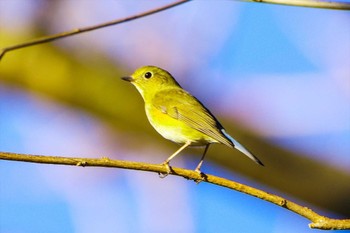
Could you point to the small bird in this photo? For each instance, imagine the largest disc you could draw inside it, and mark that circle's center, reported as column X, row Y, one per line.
column 178, row 116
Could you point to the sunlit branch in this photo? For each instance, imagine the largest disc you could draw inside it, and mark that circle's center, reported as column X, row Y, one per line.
column 317, row 221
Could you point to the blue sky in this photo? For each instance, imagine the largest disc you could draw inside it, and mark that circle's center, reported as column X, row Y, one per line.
column 281, row 71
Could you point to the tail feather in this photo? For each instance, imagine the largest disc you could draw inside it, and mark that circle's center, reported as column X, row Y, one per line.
column 242, row 149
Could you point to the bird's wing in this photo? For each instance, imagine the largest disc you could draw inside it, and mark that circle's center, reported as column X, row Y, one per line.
column 182, row 106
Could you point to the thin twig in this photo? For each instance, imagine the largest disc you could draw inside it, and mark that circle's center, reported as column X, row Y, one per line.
column 45, row 39
column 307, row 3
column 317, row 221
column 50, row 38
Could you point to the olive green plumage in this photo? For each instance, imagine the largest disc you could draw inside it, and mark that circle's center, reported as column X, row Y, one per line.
column 177, row 115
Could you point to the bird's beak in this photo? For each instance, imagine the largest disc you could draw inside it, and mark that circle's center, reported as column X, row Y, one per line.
column 129, row 79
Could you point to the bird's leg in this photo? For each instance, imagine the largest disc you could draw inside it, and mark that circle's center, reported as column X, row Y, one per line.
column 198, row 168
column 166, row 162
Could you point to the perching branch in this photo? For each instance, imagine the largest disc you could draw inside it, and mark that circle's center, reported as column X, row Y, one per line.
column 317, row 221
column 73, row 32
column 45, row 39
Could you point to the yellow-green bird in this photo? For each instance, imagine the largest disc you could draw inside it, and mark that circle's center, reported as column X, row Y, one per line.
column 178, row 116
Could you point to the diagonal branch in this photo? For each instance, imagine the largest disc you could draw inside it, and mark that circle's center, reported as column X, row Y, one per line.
column 73, row 32
column 45, row 39
column 317, row 221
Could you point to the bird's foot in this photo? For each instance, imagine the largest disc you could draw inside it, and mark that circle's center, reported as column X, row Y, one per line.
column 203, row 176
column 168, row 170
column 198, row 171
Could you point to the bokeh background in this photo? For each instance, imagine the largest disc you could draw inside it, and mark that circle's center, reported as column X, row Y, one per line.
column 277, row 77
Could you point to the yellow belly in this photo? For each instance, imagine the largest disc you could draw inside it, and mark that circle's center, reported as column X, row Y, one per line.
column 175, row 130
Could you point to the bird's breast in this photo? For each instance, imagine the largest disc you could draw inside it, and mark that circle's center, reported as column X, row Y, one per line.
column 174, row 129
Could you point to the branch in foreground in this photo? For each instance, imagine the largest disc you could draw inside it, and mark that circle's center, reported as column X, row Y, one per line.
column 73, row 32
column 317, row 221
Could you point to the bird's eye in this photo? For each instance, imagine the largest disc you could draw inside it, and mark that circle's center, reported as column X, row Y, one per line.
column 148, row 75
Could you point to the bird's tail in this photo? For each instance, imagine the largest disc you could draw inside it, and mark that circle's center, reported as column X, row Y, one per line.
column 242, row 149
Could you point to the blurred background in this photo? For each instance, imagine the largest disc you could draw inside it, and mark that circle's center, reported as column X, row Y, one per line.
column 277, row 77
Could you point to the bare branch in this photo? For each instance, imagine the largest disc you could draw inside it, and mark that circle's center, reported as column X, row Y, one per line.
column 45, row 39
column 307, row 3
column 73, row 32
column 317, row 221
